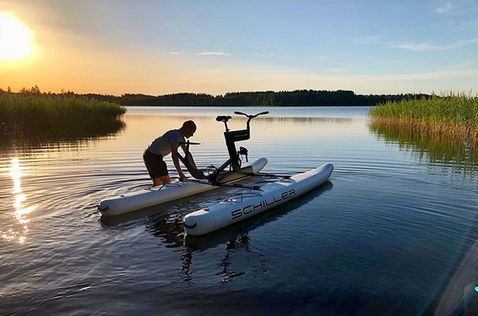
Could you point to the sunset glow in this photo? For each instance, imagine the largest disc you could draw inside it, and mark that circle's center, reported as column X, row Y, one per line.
column 162, row 47
column 15, row 38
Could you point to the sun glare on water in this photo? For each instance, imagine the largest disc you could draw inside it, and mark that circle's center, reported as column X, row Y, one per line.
column 15, row 38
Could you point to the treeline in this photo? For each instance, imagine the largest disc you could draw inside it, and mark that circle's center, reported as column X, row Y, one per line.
column 261, row 98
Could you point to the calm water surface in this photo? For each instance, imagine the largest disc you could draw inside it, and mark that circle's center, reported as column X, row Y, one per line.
column 394, row 232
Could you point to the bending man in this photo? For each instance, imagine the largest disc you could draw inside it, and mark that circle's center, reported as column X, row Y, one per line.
column 163, row 146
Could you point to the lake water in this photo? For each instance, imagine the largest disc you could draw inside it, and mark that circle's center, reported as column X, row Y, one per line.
column 394, row 232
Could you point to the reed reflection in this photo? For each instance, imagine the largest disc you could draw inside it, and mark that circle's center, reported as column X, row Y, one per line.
column 438, row 149
column 33, row 136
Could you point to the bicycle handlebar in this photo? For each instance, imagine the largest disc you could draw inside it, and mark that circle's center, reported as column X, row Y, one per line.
column 251, row 116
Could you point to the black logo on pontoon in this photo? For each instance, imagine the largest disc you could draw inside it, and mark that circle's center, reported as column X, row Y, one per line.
column 263, row 204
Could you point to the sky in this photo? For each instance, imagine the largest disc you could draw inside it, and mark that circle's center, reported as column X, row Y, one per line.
column 160, row 47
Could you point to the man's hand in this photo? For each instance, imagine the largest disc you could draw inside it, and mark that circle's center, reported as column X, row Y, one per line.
column 174, row 155
column 183, row 178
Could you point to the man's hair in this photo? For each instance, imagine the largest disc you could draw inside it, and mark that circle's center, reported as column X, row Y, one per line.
column 189, row 125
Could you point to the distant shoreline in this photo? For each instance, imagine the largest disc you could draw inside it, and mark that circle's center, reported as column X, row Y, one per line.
column 296, row 98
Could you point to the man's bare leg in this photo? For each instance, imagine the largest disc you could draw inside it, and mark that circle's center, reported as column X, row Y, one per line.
column 161, row 180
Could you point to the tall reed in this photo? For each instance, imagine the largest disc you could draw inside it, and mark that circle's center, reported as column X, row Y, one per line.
column 454, row 115
column 56, row 116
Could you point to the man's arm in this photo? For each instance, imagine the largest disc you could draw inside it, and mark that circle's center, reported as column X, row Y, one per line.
column 174, row 156
column 189, row 156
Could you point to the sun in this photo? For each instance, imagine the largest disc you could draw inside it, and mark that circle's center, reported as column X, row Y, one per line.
column 15, row 38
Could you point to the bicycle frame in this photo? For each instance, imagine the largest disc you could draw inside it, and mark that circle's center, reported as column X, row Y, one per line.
column 231, row 137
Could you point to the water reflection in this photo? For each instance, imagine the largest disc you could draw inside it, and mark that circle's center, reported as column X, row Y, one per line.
column 29, row 138
column 238, row 231
column 282, row 111
column 166, row 222
column 438, row 149
column 21, row 211
column 269, row 118
column 237, row 241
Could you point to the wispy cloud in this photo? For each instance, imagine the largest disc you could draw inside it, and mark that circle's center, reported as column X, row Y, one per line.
column 414, row 46
column 321, row 58
column 445, row 8
column 368, row 40
column 266, row 55
column 421, row 47
column 336, row 70
column 201, row 53
column 433, row 75
column 213, row 54
column 428, row 46
column 457, row 8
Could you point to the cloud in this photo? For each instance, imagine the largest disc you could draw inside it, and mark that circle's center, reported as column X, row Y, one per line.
column 213, row 54
column 445, row 8
column 463, row 7
column 367, row 40
column 427, row 46
column 424, row 46
column 321, row 58
column 336, row 70
column 414, row 46
column 432, row 75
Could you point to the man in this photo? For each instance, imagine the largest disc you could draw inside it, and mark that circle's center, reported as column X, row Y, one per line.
column 165, row 145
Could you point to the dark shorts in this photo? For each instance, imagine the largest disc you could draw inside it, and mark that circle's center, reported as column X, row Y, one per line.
column 155, row 165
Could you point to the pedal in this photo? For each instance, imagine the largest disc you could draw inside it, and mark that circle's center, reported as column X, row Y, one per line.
column 243, row 152
column 211, row 169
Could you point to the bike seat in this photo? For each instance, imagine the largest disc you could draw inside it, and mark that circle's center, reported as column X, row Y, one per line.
column 223, row 118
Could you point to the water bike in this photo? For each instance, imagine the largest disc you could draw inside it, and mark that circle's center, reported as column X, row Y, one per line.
column 255, row 200
column 234, row 169
column 259, row 198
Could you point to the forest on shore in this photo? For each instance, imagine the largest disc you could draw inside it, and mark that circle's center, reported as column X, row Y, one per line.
column 257, row 98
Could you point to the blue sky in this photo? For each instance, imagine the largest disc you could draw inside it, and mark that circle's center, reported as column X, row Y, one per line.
column 158, row 47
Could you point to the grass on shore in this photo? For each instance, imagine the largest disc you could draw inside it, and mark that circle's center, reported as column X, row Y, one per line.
column 29, row 111
column 453, row 115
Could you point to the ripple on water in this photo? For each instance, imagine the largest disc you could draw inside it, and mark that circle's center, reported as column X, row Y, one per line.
column 384, row 235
